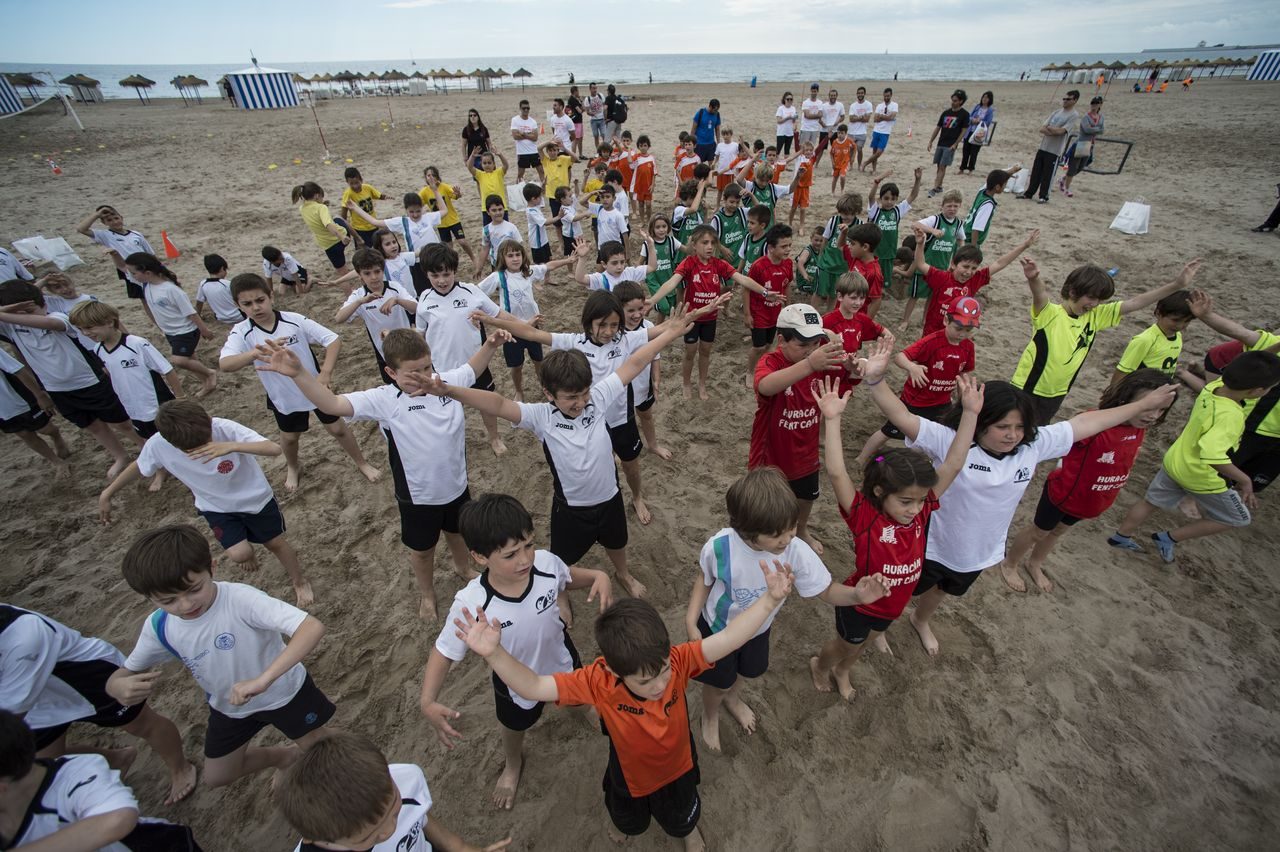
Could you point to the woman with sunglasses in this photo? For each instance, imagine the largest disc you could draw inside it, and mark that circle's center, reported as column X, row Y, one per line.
column 786, row 123
column 475, row 138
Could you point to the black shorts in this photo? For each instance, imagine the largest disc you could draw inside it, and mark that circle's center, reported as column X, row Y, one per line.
column 484, row 381
column 806, row 487
column 307, row 710
column 184, row 345
column 89, row 679
column 569, row 244
column 144, row 428
column 1048, row 516
column 511, row 715
column 452, row 232
column 337, row 254
column 762, row 337
column 542, row 254
column 1259, row 457
column 260, row 527
column 85, row 405
column 928, row 412
column 555, row 209
column 751, row 660
column 676, row 807
column 368, row 237
column 648, row 403
column 528, row 161
column 33, row 421
column 299, row 421
column 701, row 331
column 513, row 353
column 575, row 529
column 854, row 627
column 133, row 291
column 1046, row 407
column 954, row 583
column 626, row 440
column 420, row 526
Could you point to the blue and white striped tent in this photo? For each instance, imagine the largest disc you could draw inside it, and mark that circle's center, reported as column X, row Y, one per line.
column 1267, row 67
column 10, row 101
column 262, row 88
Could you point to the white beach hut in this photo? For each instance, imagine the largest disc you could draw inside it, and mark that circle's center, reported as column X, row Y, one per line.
column 262, row 88
column 1266, row 67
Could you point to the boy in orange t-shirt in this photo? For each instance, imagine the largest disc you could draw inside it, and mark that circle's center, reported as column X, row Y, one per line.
column 841, row 154
column 804, row 180
column 643, row 167
column 638, row 688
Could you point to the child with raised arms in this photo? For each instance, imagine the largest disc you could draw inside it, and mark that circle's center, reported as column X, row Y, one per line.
column 246, row 346
column 282, row 270
column 831, row 262
column 943, row 235
column 518, row 585
column 360, row 196
column 341, row 795
column 497, row 229
column 1160, row 345
column 730, row 223
column 417, row 226
column 967, row 534
column 514, row 285
column 761, row 189
column 440, row 196
column 1063, row 334
column 118, row 240
column 491, row 180
column 174, row 315
column 644, row 388
column 60, row 293
column 802, row 183
column 612, row 257
column 763, row 514
column 965, row 276
column 885, row 212
column 380, row 304
column 229, row 636
column 49, row 345
column 858, row 244
column 889, row 521
column 687, row 213
column 638, row 686
column 426, row 443
column 26, row 410
column 215, row 291
column 1087, row 481
column 666, row 250
column 643, row 172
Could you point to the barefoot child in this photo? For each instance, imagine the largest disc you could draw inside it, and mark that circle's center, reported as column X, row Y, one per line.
column 831, row 259
column 215, row 291
column 613, row 257
column 48, row 343
column 27, row 411
column 645, row 386
column 283, row 271
column 807, row 265
column 637, row 686
column 497, row 229
column 762, row 527
column 174, row 315
column 943, row 235
column 666, row 248
column 119, row 241
column 518, row 586
column 889, row 521
column 360, row 196
column 379, row 303
column 439, row 196
column 859, row 247
column 643, row 171
column 245, row 347
column 342, row 795
column 1087, row 482
column 54, row 677
column 418, row 227
column 802, row 183
column 231, row 634
column 850, row 324
column 841, row 154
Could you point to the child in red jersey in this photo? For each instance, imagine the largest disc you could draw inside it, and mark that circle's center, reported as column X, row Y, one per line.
column 859, row 245
column 703, row 275
column 889, row 520
column 784, row 432
column 643, row 168
column 933, row 365
column 773, row 272
column 851, row 326
column 1087, row 481
column 964, row 278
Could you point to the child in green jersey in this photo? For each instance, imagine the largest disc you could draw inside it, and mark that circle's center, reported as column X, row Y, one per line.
column 831, row 260
column 978, row 223
column 886, row 213
column 688, row 211
column 807, row 263
column 944, row 234
column 667, row 248
column 730, row 223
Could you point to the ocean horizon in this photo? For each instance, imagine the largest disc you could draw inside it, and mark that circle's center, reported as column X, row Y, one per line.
column 784, row 69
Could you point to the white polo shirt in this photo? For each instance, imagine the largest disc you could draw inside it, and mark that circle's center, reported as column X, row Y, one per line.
column 513, row 291
column 170, row 307
column 286, row 270
column 216, row 293
column 11, row 267
column 297, row 333
column 375, row 321
column 130, row 242
column 13, row 402
column 578, row 449
column 232, row 484
column 605, row 361
column 532, row 631
column 137, row 369
column 831, row 115
column 810, row 124
column 446, row 321
column 731, row 567
column 882, row 108
column 234, row 640
column 525, row 125
column 77, row 787
column 420, row 233
column 610, row 224
column 54, row 356
column 426, row 438
column 605, row 281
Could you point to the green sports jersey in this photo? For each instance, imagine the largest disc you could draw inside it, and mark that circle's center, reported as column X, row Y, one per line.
column 751, row 251
column 666, row 251
column 684, row 222
column 832, row 257
column 766, row 195
column 732, row 229
column 807, row 272
column 938, row 251
column 980, row 215
column 1152, row 349
column 888, row 221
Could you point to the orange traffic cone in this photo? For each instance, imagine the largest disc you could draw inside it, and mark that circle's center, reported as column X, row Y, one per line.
column 170, row 250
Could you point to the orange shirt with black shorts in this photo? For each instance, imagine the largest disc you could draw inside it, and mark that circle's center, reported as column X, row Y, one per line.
column 841, row 153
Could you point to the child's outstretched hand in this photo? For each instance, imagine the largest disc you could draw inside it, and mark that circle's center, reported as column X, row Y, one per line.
column 919, row 173
column 1029, row 268
column 276, row 358
column 482, row 635
column 830, row 401
column 497, row 337
column 602, row 589
column 581, row 248
column 1189, row 271
column 421, row 383
column 721, row 300
column 871, row 589
column 873, row 367
column 1032, row 237
column 778, row 579
column 1201, row 303
column 826, row 357
column 971, row 392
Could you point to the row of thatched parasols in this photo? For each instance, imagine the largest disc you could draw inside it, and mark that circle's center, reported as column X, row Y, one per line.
column 1196, row 67
column 354, row 80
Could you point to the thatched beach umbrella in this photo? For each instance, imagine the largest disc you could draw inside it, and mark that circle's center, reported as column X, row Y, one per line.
column 521, row 73
column 84, row 88
column 139, row 84
column 26, row 81
column 189, row 81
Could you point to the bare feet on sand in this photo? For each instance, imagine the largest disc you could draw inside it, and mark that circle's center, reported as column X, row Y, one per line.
column 808, row 539
column 843, row 684
column 157, row 482
column 499, row 448
column 741, row 713
column 427, row 608
column 181, row 784
column 695, row 842
column 821, row 679
column 304, row 595
column 208, row 386
column 633, row 586
column 370, row 473
column 927, row 639
column 711, row 731
column 702, row 393
column 662, row 452
column 1012, row 576
column 114, row 470
column 504, row 792
column 291, row 477
column 687, row 392
column 642, row 512
column 61, row 470
column 881, row 643
column 1037, row 574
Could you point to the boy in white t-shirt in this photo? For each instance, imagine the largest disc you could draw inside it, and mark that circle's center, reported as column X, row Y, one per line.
column 215, row 459
column 520, row 587
column 229, row 636
column 612, row 256
column 244, row 347
column 75, row 802
column 280, row 268
column 341, row 795
column 536, row 216
column 418, row 227
column 215, row 291
column 380, row 304
column 119, row 241
column 27, row 411
column 498, row 230
column 611, row 224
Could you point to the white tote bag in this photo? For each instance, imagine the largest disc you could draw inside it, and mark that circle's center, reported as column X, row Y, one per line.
column 1018, row 182
column 1134, row 217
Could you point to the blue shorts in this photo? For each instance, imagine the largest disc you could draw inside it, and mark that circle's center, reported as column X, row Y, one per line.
column 879, row 141
column 260, row 527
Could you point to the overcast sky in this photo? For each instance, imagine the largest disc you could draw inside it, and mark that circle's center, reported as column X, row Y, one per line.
column 150, row 32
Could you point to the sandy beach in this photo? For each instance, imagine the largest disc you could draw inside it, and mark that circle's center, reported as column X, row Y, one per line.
column 1136, row 707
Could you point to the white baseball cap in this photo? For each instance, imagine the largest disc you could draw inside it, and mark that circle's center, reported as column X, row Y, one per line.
column 803, row 319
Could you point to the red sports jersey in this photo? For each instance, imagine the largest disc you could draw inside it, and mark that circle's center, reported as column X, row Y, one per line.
column 775, row 278
column 621, row 160
column 943, row 361
column 943, row 288
column 883, row 546
column 870, row 270
column 685, row 164
column 784, row 432
column 806, row 179
column 778, row 169
column 1090, row 477
column 702, row 282
column 853, row 333
column 642, row 177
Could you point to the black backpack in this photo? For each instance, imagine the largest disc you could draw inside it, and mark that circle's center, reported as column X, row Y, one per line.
column 620, row 110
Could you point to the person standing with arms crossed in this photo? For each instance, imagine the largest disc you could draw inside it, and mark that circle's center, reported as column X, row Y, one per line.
column 1054, row 132
column 594, row 106
column 524, row 130
column 858, row 119
column 832, row 114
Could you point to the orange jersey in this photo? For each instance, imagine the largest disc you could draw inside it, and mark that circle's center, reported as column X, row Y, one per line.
column 642, row 171
column 778, row 169
column 685, row 165
column 840, row 154
column 806, row 179
column 651, row 738
column 621, row 160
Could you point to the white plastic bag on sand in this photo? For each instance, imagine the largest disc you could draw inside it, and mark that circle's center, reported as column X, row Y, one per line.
column 1018, row 182
column 1134, row 217
column 56, row 251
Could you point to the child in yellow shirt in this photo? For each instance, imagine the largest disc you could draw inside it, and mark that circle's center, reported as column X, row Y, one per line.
column 450, row 227
column 364, row 196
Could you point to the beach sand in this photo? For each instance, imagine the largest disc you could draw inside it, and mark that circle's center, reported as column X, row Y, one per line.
column 1136, row 707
